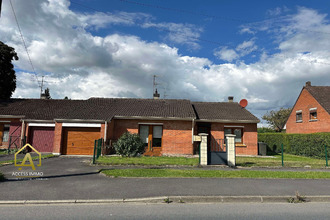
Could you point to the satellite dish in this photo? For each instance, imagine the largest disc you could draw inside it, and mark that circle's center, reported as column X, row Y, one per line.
column 243, row 103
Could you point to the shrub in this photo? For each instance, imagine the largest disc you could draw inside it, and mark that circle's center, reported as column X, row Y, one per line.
column 129, row 145
column 310, row 145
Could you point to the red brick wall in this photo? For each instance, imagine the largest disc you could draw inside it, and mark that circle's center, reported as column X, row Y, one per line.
column 177, row 135
column 57, row 138
column 305, row 102
column 14, row 122
column 250, row 137
column 110, row 129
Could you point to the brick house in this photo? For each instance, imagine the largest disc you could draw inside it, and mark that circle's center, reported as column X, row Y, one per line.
column 311, row 112
column 166, row 126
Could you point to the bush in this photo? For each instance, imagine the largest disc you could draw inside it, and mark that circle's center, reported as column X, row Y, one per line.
column 310, row 145
column 129, row 145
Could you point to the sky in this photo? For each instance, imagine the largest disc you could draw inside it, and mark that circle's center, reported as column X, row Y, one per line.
column 262, row 51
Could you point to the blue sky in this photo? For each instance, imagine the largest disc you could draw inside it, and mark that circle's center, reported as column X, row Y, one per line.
column 263, row 51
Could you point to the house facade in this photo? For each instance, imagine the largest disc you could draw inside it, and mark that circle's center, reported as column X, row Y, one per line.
column 166, row 127
column 311, row 112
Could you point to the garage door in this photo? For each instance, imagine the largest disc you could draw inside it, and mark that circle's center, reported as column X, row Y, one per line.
column 80, row 141
column 42, row 138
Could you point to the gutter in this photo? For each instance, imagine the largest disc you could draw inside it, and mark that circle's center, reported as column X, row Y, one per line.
column 12, row 116
column 79, row 120
column 37, row 121
column 153, row 118
column 229, row 121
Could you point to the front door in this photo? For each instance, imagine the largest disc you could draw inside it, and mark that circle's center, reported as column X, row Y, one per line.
column 151, row 136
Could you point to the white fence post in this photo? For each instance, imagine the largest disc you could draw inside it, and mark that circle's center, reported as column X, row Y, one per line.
column 230, row 148
column 203, row 148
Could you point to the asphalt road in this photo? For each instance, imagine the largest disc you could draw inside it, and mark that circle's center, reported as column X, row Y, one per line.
column 72, row 178
column 307, row 211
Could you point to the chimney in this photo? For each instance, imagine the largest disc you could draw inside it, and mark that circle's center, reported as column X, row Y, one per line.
column 230, row 98
column 156, row 95
column 308, row 83
column 43, row 96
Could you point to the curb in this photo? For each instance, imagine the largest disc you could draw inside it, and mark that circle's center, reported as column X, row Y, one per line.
column 173, row 199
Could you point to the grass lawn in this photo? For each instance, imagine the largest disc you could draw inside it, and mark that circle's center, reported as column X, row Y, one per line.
column 175, row 173
column 33, row 158
column 152, row 161
column 3, row 151
column 289, row 161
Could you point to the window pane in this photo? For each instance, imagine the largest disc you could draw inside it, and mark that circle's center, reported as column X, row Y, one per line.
column 144, row 133
column 156, row 142
column 227, row 131
column 299, row 117
column 5, row 136
column 157, row 131
column 313, row 115
column 238, row 133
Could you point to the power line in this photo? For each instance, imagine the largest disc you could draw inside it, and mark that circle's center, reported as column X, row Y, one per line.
column 27, row 52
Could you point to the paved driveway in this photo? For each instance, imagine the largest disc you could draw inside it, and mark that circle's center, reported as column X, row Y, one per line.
column 73, row 178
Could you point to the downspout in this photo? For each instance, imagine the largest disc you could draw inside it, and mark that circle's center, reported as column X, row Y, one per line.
column 22, row 132
column 105, row 130
column 192, row 131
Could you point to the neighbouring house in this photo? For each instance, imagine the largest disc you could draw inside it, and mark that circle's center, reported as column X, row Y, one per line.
column 166, row 126
column 311, row 112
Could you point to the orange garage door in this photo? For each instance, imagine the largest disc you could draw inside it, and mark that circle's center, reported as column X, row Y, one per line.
column 80, row 141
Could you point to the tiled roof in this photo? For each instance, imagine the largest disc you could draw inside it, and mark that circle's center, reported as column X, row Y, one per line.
column 107, row 108
column 321, row 94
column 38, row 109
column 223, row 111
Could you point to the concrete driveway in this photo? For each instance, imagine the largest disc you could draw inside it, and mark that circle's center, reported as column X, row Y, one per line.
column 73, row 178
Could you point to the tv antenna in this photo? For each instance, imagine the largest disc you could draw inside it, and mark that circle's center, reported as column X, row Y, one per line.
column 154, row 84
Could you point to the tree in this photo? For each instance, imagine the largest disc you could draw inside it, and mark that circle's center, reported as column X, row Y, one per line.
column 277, row 119
column 47, row 94
column 7, row 72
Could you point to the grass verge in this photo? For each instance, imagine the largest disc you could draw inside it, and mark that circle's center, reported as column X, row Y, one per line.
column 33, row 158
column 174, row 173
column 149, row 161
column 289, row 161
column 3, row 151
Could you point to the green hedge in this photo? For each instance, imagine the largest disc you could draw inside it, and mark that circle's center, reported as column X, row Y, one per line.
column 310, row 145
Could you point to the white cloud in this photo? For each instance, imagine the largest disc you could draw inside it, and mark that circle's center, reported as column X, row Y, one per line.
column 185, row 34
column 226, row 54
column 246, row 47
column 243, row 49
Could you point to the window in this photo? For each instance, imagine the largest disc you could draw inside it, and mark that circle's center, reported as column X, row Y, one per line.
column 236, row 131
column 298, row 116
column 144, row 133
column 313, row 114
column 151, row 135
column 5, row 135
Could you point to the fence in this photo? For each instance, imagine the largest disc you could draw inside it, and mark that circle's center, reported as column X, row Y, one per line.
column 97, row 149
column 15, row 142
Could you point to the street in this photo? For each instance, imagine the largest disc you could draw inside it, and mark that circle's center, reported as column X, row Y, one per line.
column 168, row 211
